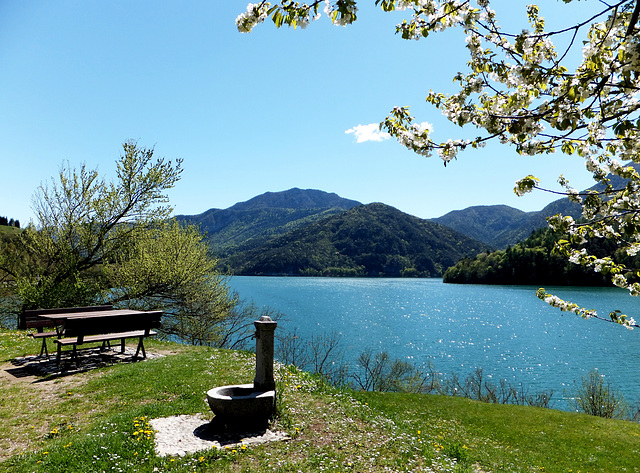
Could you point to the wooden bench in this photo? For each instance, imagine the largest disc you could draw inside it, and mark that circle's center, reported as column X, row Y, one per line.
column 107, row 328
column 36, row 318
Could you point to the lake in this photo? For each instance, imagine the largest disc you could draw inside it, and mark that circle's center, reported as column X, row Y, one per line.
column 505, row 330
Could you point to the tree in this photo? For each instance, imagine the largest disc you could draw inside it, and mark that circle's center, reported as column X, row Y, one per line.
column 97, row 241
column 322, row 355
column 521, row 90
column 82, row 222
column 169, row 266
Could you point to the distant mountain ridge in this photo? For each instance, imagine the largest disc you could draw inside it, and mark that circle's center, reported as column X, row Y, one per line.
column 500, row 225
column 367, row 240
column 490, row 224
column 296, row 198
column 532, row 260
column 249, row 224
column 307, row 231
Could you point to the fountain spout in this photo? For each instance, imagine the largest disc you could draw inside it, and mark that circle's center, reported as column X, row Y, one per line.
column 265, row 329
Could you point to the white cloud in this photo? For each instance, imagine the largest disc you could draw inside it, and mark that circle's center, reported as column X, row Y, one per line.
column 369, row 132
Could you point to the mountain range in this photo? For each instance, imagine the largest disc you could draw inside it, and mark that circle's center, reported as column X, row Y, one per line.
column 312, row 232
column 367, row 240
column 500, row 225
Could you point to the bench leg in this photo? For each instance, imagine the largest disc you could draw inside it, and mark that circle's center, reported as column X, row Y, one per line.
column 44, row 350
column 59, row 356
column 122, row 345
column 140, row 347
column 59, row 363
column 74, row 356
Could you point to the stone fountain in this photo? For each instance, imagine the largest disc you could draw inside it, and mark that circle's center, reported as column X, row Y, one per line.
column 240, row 405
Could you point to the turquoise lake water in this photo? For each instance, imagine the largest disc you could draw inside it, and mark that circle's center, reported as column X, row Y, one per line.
column 505, row 330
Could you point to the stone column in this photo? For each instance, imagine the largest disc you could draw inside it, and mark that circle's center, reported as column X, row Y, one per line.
column 265, row 328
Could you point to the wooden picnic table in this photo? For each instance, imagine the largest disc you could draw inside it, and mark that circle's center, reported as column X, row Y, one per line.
column 38, row 319
column 80, row 327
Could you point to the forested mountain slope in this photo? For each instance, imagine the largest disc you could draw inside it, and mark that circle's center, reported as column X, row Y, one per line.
column 369, row 240
column 500, row 225
column 249, row 224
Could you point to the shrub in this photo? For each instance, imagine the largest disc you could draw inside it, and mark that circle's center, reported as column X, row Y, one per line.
column 596, row 398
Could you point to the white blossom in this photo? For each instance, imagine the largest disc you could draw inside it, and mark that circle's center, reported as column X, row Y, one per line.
column 633, row 249
column 619, row 280
column 256, row 13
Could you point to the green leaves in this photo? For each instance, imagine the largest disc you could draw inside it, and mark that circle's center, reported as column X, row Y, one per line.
column 525, row 185
column 277, row 16
column 84, row 222
column 386, row 5
column 98, row 241
column 568, row 147
column 622, row 127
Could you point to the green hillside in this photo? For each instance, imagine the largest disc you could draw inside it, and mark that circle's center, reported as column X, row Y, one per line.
column 489, row 224
column 500, row 225
column 249, row 224
column 369, row 240
column 7, row 230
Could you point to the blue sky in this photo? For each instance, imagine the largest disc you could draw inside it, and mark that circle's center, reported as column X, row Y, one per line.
column 248, row 113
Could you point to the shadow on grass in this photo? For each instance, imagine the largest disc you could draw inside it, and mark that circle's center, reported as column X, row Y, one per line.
column 45, row 368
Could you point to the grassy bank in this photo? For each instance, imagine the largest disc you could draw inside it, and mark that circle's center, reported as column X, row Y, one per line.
column 97, row 420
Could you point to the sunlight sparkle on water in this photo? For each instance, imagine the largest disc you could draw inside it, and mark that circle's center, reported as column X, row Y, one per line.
column 505, row 330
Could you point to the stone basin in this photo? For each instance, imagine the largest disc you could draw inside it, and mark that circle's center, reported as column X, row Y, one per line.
column 241, row 403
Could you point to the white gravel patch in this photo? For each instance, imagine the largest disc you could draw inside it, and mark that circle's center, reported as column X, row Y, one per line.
column 184, row 434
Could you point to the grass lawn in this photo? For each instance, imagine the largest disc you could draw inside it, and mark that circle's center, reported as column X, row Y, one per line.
column 98, row 420
column 515, row 438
